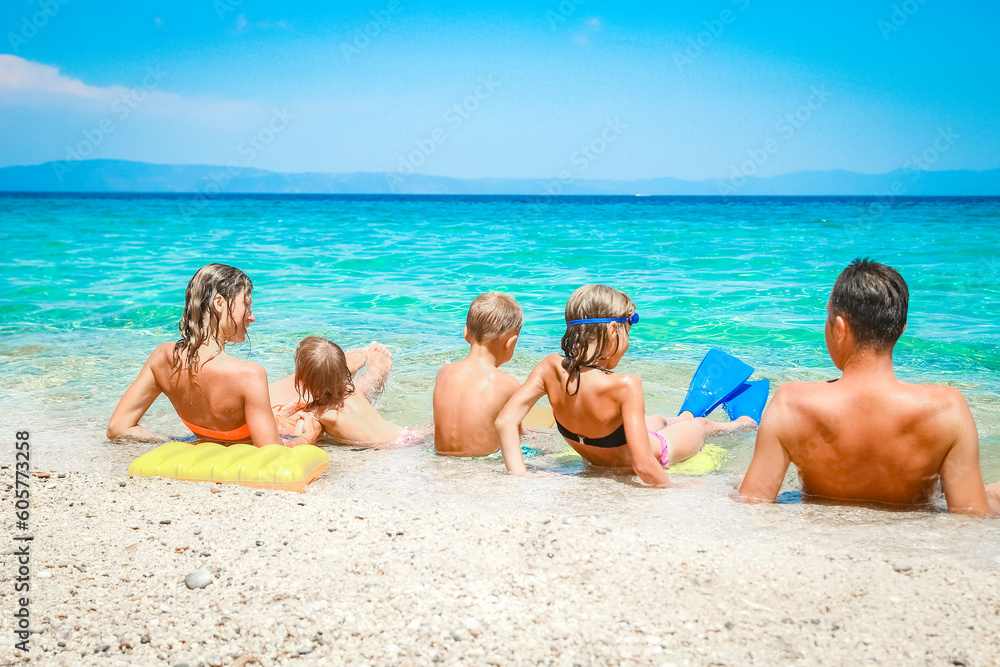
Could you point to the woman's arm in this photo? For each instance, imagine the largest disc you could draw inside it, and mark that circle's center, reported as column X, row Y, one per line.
column 508, row 422
column 257, row 408
column 124, row 422
column 633, row 405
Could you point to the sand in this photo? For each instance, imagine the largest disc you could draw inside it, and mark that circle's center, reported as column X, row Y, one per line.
column 333, row 577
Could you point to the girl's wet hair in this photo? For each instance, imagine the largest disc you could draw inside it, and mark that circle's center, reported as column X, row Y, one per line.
column 199, row 322
column 584, row 344
column 321, row 372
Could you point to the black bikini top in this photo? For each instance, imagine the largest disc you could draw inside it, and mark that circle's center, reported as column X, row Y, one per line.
column 616, row 439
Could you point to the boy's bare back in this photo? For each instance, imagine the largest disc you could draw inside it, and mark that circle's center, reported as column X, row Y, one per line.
column 468, row 396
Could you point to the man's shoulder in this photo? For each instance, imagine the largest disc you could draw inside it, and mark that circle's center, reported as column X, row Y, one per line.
column 793, row 394
column 938, row 399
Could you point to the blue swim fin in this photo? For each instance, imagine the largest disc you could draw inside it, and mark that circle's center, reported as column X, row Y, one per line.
column 718, row 377
column 749, row 401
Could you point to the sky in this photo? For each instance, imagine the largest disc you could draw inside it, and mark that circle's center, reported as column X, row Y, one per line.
column 582, row 88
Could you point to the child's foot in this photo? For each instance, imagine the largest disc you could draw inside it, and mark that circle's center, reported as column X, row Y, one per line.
column 356, row 359
column 379, row 366
column 745, row 424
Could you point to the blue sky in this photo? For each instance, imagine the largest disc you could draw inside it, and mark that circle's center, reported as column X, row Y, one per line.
column 684, row 89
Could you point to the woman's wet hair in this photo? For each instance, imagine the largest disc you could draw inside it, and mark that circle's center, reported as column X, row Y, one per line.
column 199, row 321
column 585, row 344
column 321, row 372
column 873, row 299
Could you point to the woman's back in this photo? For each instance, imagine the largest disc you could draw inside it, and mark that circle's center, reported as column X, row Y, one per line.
column 211, row 398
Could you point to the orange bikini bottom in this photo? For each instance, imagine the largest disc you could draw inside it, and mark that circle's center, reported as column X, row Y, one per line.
column 241, row 433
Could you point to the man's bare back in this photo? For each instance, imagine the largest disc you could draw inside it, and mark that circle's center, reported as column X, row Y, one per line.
column 867, row 436
column 878, row 441
column 468, row 396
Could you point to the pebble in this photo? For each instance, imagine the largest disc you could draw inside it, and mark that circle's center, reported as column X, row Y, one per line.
column 121, row 483
column 102, row 648
column 198, row 579
column 214, row 661
column 304, row 650
column 901, row 566
column 164, row 522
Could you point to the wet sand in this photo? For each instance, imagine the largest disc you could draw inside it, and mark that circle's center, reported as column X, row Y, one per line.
column 339, row 574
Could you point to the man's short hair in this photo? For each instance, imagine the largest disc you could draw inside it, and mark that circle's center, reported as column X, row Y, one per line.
column 873, row 298
column 493, row 315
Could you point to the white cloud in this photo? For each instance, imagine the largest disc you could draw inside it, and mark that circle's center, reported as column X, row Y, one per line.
column 18, row 74
column 27, row 83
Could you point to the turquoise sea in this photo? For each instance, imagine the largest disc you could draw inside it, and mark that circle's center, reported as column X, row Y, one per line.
column 89, row 284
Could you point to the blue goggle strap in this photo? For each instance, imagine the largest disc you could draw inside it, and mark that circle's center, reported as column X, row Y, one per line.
column 598, row 320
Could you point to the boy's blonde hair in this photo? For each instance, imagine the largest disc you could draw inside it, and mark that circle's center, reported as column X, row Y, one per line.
column 492, row 315
column 321, row 371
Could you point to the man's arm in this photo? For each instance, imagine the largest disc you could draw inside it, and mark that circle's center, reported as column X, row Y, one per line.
column 770, row 459
column 960, row 475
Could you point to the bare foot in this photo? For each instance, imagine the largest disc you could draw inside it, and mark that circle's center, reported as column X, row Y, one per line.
column 746, row 424
column 356, row 359
column 379, row 366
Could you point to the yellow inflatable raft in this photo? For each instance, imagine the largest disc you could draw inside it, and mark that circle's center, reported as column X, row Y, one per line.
column 268, row 467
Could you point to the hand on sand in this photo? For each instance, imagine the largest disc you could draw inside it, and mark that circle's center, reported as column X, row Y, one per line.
column 285, row 419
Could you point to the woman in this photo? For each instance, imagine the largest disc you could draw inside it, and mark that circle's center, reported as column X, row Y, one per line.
column 602, row 414
column 216, row 396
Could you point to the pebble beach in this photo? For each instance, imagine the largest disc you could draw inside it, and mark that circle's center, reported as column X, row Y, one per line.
column 152, row 571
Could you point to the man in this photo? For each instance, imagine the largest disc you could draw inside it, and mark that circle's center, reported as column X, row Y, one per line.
column 867, row 436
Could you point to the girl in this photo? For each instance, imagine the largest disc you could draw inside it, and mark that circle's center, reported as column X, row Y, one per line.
column 323, row 386
column 216, row 396
column 601, row 414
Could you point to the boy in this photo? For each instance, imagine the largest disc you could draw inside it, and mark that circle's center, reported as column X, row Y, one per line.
column 469, row 394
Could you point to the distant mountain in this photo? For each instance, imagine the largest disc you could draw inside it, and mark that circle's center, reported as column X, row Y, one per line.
column 124, row 176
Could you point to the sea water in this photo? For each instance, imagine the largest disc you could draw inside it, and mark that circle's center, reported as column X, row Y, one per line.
column 90, row 284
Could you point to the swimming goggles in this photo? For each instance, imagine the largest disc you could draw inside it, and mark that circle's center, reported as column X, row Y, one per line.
column 631, row 319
